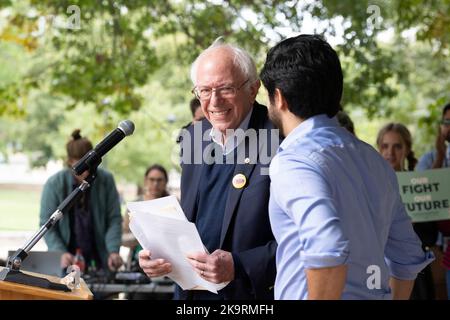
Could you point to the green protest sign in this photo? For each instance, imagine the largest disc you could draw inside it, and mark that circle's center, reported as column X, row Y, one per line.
column 426, row 194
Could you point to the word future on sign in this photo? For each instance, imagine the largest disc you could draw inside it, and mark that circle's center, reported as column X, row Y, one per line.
column 426, row 194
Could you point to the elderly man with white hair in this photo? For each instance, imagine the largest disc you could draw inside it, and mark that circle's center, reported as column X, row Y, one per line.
column 227, row 198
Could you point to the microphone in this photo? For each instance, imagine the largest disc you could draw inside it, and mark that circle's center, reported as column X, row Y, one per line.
column 93, row 157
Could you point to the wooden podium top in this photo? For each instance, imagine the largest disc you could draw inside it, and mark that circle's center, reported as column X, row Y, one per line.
column 17, row 291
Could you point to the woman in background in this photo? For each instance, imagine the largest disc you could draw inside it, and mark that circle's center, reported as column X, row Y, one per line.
column 394, row 143
column 155, row 183
column 155, row 186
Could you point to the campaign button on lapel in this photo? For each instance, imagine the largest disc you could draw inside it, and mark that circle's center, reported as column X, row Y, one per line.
column 239, row 181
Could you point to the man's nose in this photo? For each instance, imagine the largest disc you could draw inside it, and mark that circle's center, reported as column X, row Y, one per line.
column 215, row 98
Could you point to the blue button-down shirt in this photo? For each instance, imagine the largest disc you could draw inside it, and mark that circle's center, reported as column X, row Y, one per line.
column 334, row 200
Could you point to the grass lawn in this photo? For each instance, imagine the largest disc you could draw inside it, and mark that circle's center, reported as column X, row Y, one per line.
column 19, row 210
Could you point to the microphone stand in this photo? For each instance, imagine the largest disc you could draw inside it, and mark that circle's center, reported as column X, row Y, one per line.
column 11, row 272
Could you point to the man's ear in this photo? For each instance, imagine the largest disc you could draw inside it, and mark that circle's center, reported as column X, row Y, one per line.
column 255, row 88
column 280, row 102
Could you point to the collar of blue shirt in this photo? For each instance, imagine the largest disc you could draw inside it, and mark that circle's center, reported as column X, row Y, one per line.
column 321, row 120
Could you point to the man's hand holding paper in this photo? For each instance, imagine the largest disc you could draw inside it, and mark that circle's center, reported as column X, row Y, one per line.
column 162, row 229
column 217, row 267
column 153, row 268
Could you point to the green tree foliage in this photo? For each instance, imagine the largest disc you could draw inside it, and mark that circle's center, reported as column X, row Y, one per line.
column 131, row 59
column 112, row 53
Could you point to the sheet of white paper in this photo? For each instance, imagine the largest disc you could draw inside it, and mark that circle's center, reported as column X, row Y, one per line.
column 166, row 206
column 171, row 239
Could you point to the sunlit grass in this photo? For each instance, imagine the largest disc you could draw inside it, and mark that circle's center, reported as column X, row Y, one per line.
column 19, row 210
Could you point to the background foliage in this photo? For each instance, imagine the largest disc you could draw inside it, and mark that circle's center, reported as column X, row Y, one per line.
column 130, row 59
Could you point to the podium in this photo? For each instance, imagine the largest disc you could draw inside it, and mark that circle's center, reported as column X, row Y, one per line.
column 16, row 291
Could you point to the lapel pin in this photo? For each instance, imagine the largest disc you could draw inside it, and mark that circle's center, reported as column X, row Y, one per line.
column 239, row 181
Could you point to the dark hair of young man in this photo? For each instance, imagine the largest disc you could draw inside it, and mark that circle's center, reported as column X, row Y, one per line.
column 308, row 73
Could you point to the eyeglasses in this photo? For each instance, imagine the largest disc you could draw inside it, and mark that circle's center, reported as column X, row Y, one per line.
column 446, row 122
column 155, row 180
column 205, row 93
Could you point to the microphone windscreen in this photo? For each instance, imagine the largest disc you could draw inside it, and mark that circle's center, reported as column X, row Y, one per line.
column 127, row 127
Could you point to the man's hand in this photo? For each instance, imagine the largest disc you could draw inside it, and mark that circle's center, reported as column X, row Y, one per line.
column 440, row 140
column 153, row 268
column 217, row 267
column 114, row 261
column 441, row 148
column 67, row 259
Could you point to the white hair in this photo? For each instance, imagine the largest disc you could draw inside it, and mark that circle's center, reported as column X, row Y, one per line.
column 241, row 59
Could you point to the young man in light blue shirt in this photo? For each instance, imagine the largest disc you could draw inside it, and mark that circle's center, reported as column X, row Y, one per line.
column 335, row 208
